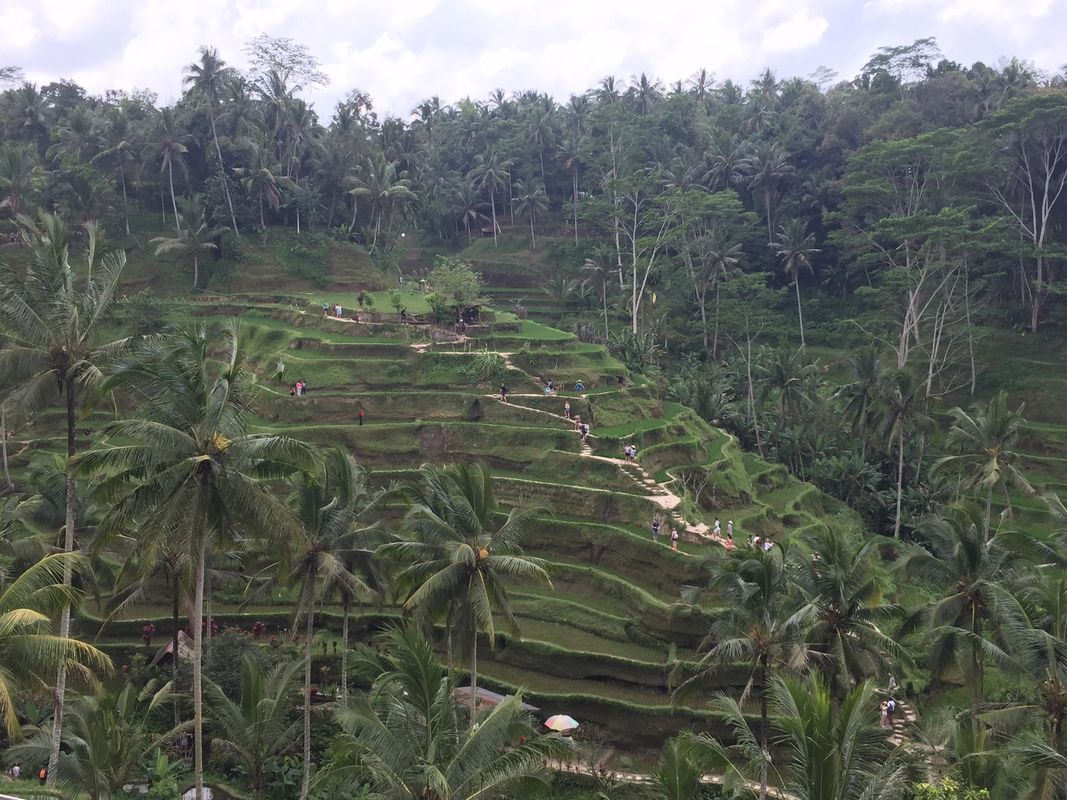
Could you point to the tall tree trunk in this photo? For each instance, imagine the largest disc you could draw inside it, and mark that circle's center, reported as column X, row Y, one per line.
column 352, row 224
column 715, row 339
column 298, row 220
column 196, row 270
column 474, row 677
column 800, row 312
column 3, row 450
column 900, row 479
column 262, row 221
column 198, row 663
column 977, row 669
column 988, row 510
column 222, row 171
column 125, row 202
column 533, row 241
column 68, row 547
column 174, row 618
column 309, row 634
column 492, row 205
column 1037, row 295
column 173, row 197
column 344, row 649
column 764, row 737
column 704, row 320
column 767, row 207
column 604, row 300
column 574, row 202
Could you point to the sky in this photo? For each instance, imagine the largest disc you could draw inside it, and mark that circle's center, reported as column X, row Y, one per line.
column 403, row 51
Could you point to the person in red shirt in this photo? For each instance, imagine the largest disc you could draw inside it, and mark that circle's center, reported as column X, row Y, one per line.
column 361, row 415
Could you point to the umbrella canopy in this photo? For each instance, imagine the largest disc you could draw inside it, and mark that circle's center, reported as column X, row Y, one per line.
column 561, row 722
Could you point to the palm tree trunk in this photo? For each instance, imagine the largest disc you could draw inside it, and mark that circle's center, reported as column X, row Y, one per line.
column 474, row 677
column 977, row 671
column 262, row 222
column 800, row 312
column 173, row 197
column 222, row 171
column 533, row 241
column 715, row 339
column 298, row 220
column 163, row 204
column 604, row 300
column 344, row 651
column 198, row 658
column 64, row 616
column 988, row 510
column 125, row 203
column 764, row 737
column 174, row 618
column 3, row 450
column 704, row 321
column 196, row 270
column 900, row 479
column 574, row 202
column 309, row 634
column 767, row 206
column 492, row 205
column 352, row 224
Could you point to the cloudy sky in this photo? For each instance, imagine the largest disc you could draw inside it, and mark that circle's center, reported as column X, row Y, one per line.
column 402, row 51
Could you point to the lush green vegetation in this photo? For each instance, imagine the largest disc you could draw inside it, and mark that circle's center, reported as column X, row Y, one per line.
column 826, row 316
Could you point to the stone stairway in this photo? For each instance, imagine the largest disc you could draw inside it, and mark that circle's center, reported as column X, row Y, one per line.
column 904, row 716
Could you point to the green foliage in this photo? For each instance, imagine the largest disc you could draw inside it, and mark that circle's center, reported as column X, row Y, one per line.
column 455, row 283
column 304, row 257
column 948, row 789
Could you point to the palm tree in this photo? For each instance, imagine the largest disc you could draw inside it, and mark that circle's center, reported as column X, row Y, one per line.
column 843, row 610
column 794, row 247
column 831, row 751
column 207, row 81
column 561, row 290
column 119, row 147
column 458, row 559
column 254, row 728
column 53, row 314
column 603, row 266
column 646, row 91
column 317, row 560
column 467, row 205
column 570, row 151
column 196, row 239
column 28, row 649
column 17, row 168
column 717, row 252
column 860, row 394
column 261, row 178
column 756, row 630
column 490, row 174
column 977, row 572
column 388, row 189
column 107, row 737
column 169, row 147
column 766, row 166
column 902, row 411
column 405, row 736
column 187, row 468
column 532, row 201
column 984, row 440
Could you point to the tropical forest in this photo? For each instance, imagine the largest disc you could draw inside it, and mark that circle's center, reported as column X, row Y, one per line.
column 664, row 441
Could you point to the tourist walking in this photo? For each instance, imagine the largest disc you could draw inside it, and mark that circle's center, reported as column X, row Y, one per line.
column 567, row 409
column 884, row 715
column 674, row 539
column 325, row 309
column 584, row 430
column 579, row 386
column 361, row 414
column 730, row 529
column 655, row 529
column 503, row 393
column 717, row 528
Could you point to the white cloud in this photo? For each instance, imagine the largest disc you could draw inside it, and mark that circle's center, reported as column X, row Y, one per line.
column 401, row 51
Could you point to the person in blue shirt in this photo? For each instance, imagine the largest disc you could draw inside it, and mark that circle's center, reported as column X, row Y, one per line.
column 579, row 386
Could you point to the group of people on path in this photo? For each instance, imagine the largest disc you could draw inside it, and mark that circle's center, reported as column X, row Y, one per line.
column 298, row 389
column 657, row 523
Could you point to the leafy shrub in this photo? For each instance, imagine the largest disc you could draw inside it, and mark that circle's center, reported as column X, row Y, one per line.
column 143, row 312
column 304, row 257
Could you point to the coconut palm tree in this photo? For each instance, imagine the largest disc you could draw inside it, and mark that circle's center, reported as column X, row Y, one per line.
column 532, row 201
column 119, row 147
column 860, row 394
column 466, row 204
column 766, row 166
column 490, row 175
column 458, row 558
column 53, row 315
column 843, row 612
column 388, row 190
column 262, row 178
column 407, row 739
column 794, row 247
column 107, row 737
column 603, row 267
column 716, row 252
column 206, row 81
column 28, row 648
column 255, row 728
column 757, row 630
column 17, row 168
column 984, row 440
column 197, row 238
column 570, row 152
column 317, row 560
column 830, row 751
column 977, row 612
column 187, row 468
column 168, row 146
column 901, row 412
